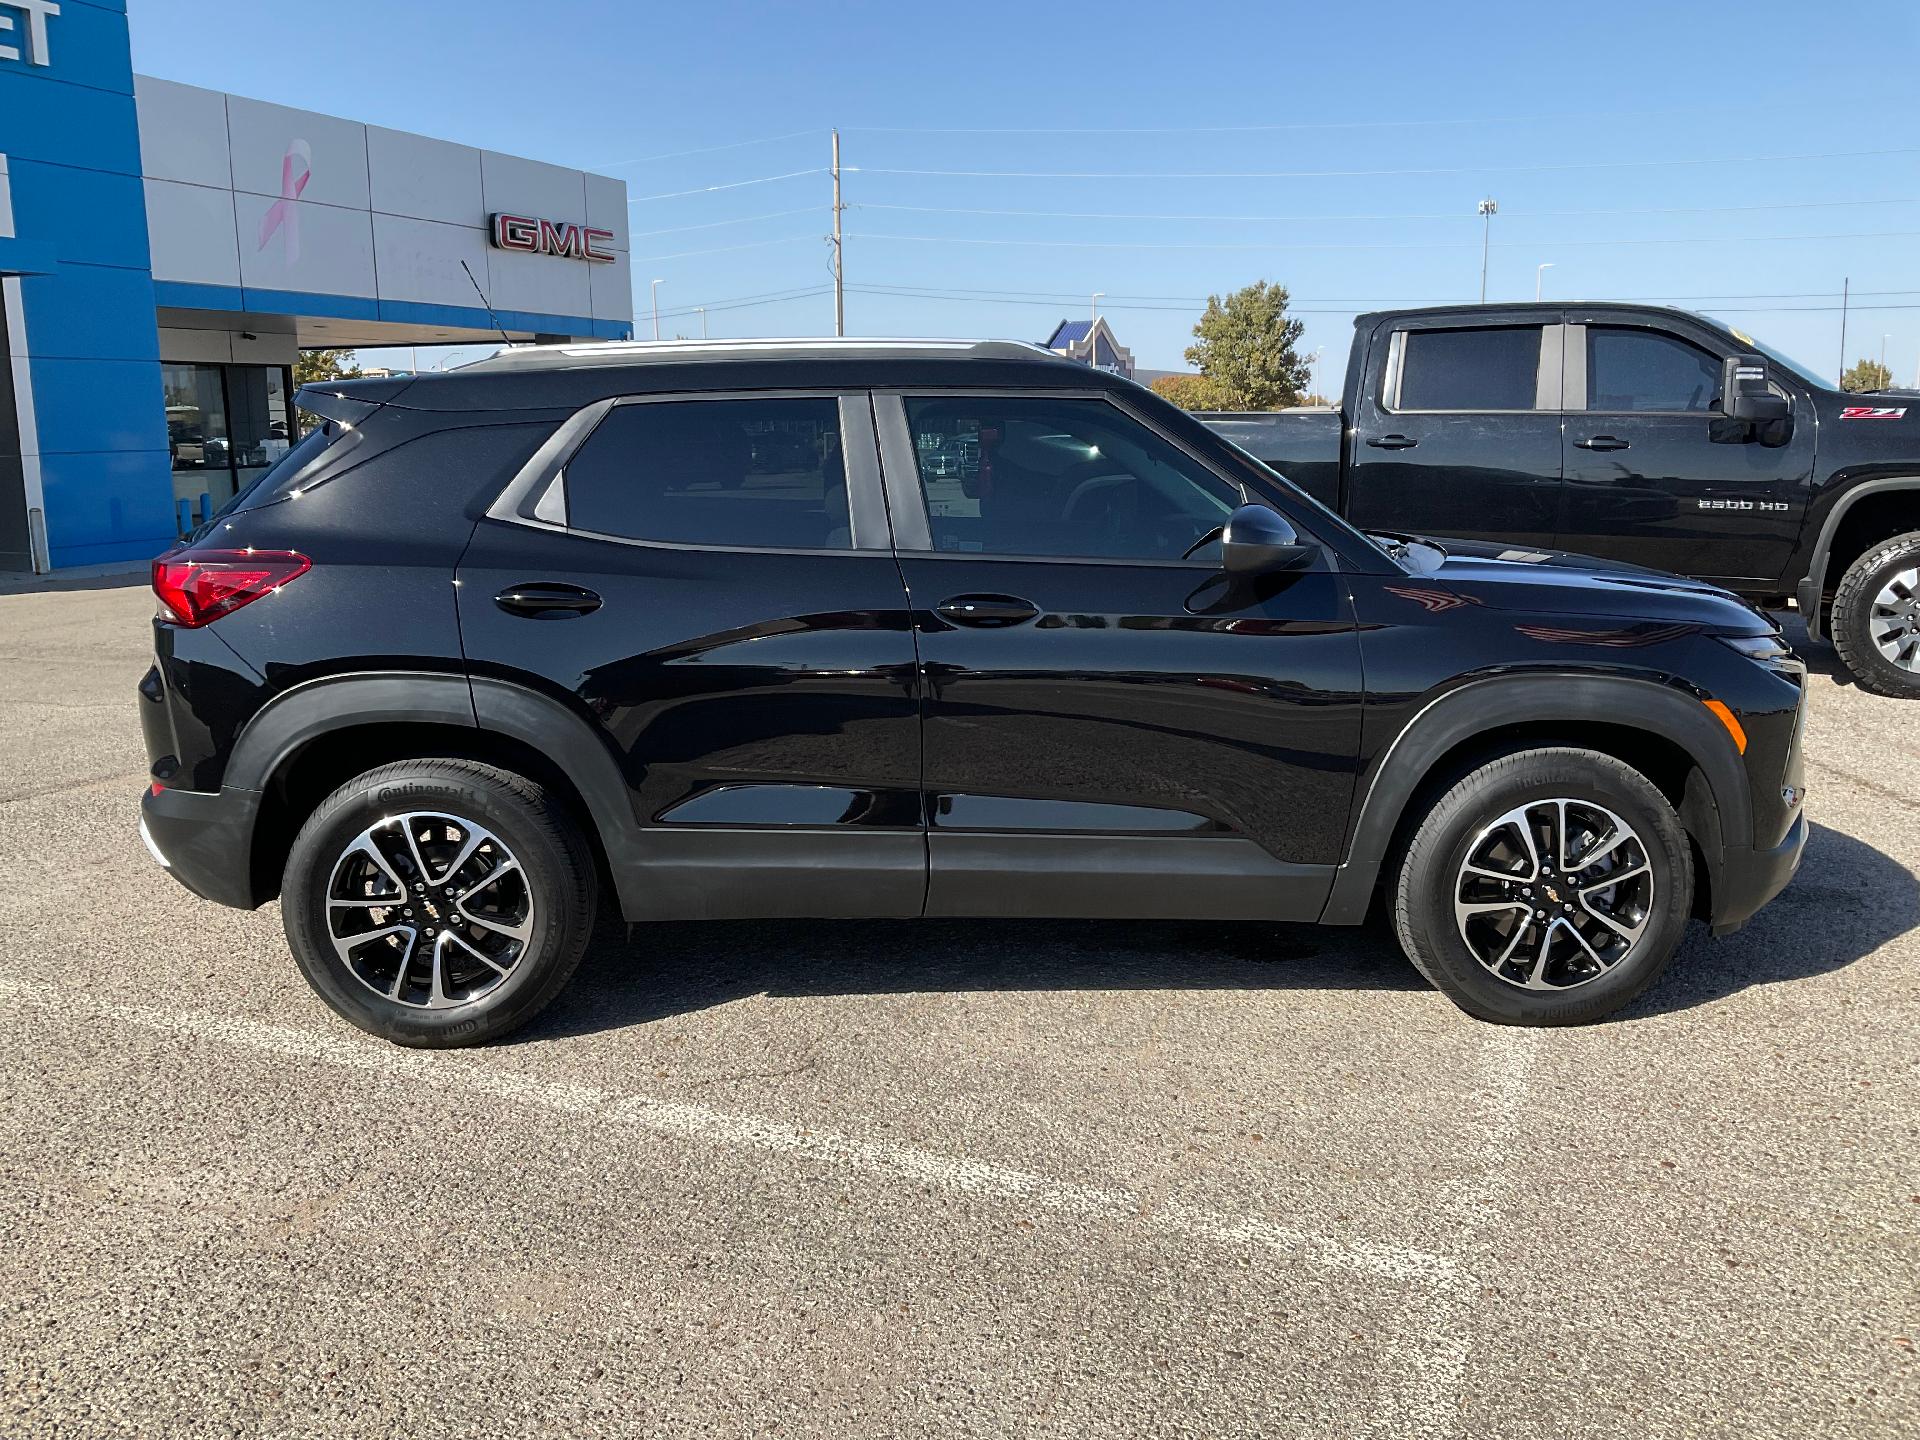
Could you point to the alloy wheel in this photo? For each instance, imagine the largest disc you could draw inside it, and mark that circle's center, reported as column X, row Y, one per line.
column 1554, row 894
column 429, row 909
column 1893, row 620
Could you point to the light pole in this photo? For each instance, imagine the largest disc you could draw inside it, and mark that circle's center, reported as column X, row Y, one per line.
column 1093, row 305
column 703, row 320
column 653, row 293
column 1883, row 356
column 1489, row 208
column 1539, row 274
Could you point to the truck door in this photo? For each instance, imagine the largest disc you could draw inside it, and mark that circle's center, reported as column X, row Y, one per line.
column 1460, row 434
column 1655, row 476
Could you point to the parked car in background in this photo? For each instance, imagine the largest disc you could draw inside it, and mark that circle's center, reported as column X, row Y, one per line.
column 1635, row 433
column 490, row 645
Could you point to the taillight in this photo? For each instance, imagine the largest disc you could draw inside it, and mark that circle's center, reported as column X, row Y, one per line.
column 199, row 586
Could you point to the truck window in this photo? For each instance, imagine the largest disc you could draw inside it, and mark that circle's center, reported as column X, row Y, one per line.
column 1485, row 369
column 1629, row 370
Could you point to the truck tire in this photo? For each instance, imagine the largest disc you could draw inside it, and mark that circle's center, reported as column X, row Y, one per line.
column 1549, row 887
column 438, row 903
column 1876, row 618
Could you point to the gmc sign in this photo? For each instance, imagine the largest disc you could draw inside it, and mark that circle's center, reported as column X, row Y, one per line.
column 548, row 237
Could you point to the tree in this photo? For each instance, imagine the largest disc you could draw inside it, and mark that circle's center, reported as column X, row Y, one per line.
column 1867, row 375
column 1245, row 345
column 1193, row 392
column 312, row 365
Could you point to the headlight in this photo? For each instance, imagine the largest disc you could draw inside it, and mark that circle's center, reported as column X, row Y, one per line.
column 1767, row 649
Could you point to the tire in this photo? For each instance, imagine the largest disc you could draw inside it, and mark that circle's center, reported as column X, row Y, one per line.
column 1473, row 822
column 492, row 912
column 1885, row 579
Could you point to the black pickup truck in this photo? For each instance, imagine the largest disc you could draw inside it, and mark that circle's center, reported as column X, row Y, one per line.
column 1636, row 433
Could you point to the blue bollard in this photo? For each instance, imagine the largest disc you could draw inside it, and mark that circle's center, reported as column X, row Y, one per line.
column 186, row 516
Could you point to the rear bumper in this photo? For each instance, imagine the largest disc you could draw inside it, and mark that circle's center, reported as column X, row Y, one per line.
column 204, row 840
column 1749, row 878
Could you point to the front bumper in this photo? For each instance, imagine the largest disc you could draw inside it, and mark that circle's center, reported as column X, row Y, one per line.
column 205, row 841
column 1749, row 878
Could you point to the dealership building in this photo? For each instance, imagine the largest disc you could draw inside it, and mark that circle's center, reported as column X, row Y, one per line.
column 166, row 250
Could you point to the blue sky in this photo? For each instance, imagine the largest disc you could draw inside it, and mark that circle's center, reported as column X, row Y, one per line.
column 1644, row 150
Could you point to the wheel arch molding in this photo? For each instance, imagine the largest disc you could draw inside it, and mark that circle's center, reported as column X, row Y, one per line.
column 434, row 704
column 1810, row 593
column 1479, row 718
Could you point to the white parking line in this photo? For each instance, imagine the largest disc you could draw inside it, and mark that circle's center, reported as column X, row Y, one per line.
column 1430, row 1399
column 682, row 1120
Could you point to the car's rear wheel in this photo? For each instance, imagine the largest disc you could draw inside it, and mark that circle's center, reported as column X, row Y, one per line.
column 438, row 902
column 1550, row 887
column 1876, row 618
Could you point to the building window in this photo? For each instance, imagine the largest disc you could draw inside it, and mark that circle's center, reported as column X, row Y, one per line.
column 225, row 424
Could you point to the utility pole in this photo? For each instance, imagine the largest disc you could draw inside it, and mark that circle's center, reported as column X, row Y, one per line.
column 1844, row 283
column 1488, row 209
column 839, row 249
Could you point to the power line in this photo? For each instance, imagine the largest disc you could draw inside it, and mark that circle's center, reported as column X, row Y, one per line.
column 716, row 224
column 1066, row 297
column 1427, row 215
column 1259, row 129
column 1383, row 245
column 714, row 307
column 731, row 185
column 1361, row 174
column 702, row 150
column 724, row 249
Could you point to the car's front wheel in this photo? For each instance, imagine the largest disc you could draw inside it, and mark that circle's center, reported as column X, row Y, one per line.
column 438, row 902
column 1876, row 618
column 1549, row 887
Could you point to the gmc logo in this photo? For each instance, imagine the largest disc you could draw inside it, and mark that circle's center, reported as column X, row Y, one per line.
column 546, row 237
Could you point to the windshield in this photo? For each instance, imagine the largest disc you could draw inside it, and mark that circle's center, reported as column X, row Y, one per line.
column 1301, row 497
column 1786, row 362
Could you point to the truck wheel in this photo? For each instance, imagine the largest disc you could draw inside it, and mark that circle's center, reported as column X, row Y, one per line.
column 438, row 902
column 1876, row 618
column 1549, row 887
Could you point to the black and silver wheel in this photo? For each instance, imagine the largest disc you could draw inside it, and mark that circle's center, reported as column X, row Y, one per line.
column 1549, row 887
column 1876, row 618
column 438, row 902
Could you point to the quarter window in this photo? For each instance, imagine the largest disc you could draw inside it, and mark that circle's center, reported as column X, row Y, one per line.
column 1052, row 477
column 1488, row 369
column 763, row 473
column 1644, row 370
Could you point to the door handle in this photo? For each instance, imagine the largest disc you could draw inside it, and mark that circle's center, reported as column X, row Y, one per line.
column 1393, row 442
column 547, row 600
column 1602, row 442
column 986, row 612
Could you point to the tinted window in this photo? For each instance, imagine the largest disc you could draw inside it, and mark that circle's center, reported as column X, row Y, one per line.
column 715, row 472
column 1642, row 370
column 1009, row 476
column 1470, row 369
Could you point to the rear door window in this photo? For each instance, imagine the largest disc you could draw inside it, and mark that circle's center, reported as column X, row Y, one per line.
column 1480, row 369
column 765, row 474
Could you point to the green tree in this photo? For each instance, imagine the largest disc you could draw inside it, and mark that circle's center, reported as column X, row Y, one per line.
column 1245, row 344
column 314, row 365
column 1867, row 375
column 1192, row 392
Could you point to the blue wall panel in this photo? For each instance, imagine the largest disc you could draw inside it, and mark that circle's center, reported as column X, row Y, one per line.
column 91, row 311
column 87, row 405
column 92, row 350
column 104, row 507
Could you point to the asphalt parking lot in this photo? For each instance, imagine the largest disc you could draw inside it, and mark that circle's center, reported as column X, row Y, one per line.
column 959, row 1179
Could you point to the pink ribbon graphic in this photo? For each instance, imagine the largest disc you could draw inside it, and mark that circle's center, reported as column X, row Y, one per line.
column 296, row 168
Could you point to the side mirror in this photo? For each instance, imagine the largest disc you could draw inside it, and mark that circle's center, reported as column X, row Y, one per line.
column 1257, row 539
column 1744, row 392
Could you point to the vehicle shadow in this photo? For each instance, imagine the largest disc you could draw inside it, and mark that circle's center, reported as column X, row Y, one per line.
column 1847, row 901
column 15, row 582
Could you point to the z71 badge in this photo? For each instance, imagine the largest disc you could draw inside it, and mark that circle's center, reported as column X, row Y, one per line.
column 1873, row 412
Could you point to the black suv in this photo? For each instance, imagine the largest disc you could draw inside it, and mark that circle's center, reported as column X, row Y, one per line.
column 894, row 629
